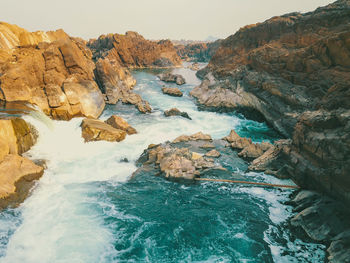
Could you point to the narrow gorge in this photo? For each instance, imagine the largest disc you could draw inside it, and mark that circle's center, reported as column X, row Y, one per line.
column 124, row 149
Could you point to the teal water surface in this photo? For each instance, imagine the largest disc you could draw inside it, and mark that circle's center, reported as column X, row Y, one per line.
column 87, row 208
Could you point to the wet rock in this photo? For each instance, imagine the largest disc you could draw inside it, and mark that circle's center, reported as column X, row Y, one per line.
column 194, row 137
column 175, row 92
column 96, row 130
column 321, row 217
column 176, row 78
column 121, row 124
column 16, row 135
column 339, row 249
column 249, row 150
column 17, row 176
column 194, row 66
column 297, row 77
column 176, row 112
column 213, row 153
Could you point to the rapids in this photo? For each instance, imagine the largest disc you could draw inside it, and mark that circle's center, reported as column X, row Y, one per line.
column 87, row 209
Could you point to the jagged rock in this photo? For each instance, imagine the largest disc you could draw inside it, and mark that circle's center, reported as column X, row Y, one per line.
column 17, row 176
column 195, row 137
column 249, row 150
column 194, row 66
column 176, row 78
column 172, row 92
column 133, row 51
column 297, row 76
column 339, row 250
column 213, row 153
column 16, row 135
column 176, row 112
column 57, row 75
column 96, row 130
column 121, row 124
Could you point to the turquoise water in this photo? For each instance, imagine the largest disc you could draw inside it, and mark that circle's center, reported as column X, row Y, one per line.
column 87, row 208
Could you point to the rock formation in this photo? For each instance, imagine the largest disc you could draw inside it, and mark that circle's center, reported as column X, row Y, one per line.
column 119, row 123
column 176, row 112
column 55, row 75
column 17, row 174
column 175, row 78
column 294, row 70
column 175, row 92
column 134, row 51
column 198, row 52
column 97, row 130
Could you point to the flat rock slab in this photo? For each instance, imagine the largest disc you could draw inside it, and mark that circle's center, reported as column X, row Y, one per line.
column 97, row 130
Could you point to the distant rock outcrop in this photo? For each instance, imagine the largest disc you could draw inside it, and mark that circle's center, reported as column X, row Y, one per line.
column 295, row 71
column 134, row 51
column 198, row 52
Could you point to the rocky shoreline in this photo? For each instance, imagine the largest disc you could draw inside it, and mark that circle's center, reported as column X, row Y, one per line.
column 291, row 71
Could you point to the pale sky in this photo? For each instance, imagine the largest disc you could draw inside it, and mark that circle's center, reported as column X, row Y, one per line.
column 154, row 19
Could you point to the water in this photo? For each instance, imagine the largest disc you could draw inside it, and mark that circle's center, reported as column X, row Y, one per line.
column 87, row 209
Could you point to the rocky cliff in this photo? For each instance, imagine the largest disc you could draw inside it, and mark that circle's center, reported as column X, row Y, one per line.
column 57, row 73
column 134, row 51
column 198, row 52
column 294, row 70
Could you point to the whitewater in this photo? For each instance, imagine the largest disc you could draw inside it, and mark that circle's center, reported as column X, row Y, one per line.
column 86, row 207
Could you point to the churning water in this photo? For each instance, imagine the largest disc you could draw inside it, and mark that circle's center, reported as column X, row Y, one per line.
column 87, row 209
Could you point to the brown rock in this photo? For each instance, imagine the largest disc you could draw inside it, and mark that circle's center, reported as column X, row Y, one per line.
column 213, row 153
column 194, row 137
column 176, row 112
column 251, row 151
column 207, row 146
column 172, row 92
column 96, row 130
column 133, row 51
column 17, row 135
column 52, row 71
column 176, row 78
column 237, row 142
column 121, row 124
column 17, row 176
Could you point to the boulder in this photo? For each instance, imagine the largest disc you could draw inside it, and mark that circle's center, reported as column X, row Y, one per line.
column 194, row 137
column 172, row 92
column 175, row 78
column 17, row 176
column 96, row 130
column 213, row 153
column 16, row 136
column 118, row 122
column 176, row 112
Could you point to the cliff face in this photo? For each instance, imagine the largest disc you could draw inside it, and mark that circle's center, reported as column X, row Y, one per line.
column 57, row 73
column 134, row 51
column 295, row 71
column 198, row 52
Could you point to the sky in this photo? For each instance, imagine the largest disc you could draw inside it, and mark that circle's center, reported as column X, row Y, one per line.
column 154, row 19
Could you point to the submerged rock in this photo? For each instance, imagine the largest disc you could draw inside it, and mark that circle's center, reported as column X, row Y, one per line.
column 96, row 130
column 121, row 124
column 17, row 176
column 176, row 78
column 172, row 92
column 176, row 112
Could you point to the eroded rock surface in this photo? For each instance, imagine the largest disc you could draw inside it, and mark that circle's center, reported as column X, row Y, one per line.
column 121, row 124
column 175, row 78
column 175, row 92
column 134, row 51
column 97, row 130
column 176, row 112
column 295, row 71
